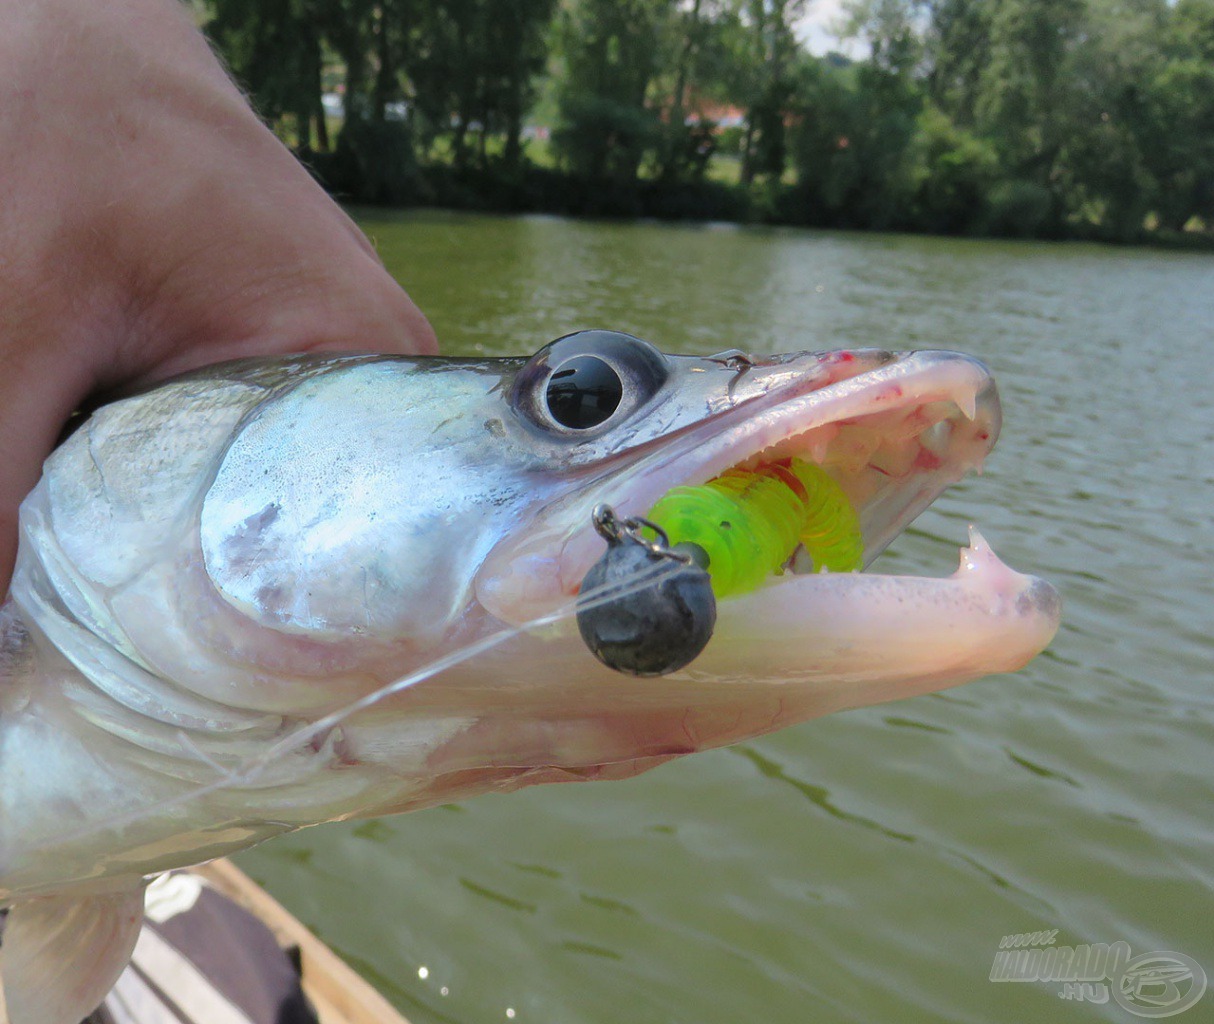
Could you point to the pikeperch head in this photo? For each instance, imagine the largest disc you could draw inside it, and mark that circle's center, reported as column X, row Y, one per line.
column 275, row 593
column 270, row 594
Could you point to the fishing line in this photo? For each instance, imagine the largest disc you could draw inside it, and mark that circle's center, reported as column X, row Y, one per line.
column 247, row 773
column 644, row 608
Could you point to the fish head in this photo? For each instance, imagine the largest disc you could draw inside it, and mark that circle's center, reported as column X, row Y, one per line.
column 272, row 594
column 454, row 513
column 396, row 547
column 894, row 430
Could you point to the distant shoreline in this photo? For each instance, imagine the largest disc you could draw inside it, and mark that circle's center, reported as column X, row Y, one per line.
column 537, row 190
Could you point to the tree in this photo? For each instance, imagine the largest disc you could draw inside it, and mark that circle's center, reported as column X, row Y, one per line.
column 348, row 26
column 1021, row 99
column 476, row 64
column 858, row 162
column 680, row 141
column 611, row 54
column 520, row 43
column 957, row 50
column 274, row 49
column 767, row 62
column 954, row 173
column 1177, row 133
column 891, row 28
column 855, row 157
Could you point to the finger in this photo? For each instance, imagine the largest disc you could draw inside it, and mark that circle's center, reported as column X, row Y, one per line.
column 271, row 268
column 195, row 225
column 34, row 404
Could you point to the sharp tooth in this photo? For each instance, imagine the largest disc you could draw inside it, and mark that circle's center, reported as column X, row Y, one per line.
column 802, row 562
column 970, row 560
column 968, row 404
column 936, row 438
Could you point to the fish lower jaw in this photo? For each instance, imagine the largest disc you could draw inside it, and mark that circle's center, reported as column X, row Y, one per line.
column 867, row 637
column 799, row 648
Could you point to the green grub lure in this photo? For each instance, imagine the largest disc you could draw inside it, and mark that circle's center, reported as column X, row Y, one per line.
column 750, row 521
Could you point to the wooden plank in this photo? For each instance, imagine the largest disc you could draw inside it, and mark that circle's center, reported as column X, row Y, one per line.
column 339, row 993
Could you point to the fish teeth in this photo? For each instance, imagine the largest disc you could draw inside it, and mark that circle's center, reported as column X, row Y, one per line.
column 937, row 437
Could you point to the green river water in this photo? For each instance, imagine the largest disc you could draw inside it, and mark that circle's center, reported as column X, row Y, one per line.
column 864, row 866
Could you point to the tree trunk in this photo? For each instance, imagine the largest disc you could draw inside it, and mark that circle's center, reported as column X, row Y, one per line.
column 459, row 144
column 748, row 151
column 354, row 103
column 386, row 72
column 513, row 153
column 322, row 130
column 315, row 110
column 483, row 139
column 512, row 109
column 678, row 107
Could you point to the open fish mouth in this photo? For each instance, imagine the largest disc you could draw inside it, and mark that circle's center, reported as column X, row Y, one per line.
column 894, row 431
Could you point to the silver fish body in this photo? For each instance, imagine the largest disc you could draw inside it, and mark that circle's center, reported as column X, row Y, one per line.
column 276, row 593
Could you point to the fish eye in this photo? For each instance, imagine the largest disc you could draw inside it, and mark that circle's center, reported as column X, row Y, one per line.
column 587, row 383
column 583, row 392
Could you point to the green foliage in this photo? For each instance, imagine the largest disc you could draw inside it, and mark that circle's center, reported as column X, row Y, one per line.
column 474, row 70
column 1177, row 127
column 955, row 172
column 855, row 150
column 374, row 162
column 767, row 74
column 890, row 28
column 957, row 51
column 1021, row 96
column 1018, row 209
column 1041, row 118
column 274, row 49
column 612, row 51
column 604, row 137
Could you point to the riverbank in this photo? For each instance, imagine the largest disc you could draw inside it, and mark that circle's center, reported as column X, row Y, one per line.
column 389, row 176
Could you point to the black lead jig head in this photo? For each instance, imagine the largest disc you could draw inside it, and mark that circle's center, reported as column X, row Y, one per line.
column 645, row 608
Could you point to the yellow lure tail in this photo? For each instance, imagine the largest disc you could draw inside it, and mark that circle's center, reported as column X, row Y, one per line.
column 750, row 521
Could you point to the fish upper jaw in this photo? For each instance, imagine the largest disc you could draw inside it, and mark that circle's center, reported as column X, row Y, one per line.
column 893, row 429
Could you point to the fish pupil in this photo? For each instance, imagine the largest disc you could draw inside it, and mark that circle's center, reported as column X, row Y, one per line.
column 583, row 392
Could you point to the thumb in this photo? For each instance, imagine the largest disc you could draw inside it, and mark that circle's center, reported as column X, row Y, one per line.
column 36, row 399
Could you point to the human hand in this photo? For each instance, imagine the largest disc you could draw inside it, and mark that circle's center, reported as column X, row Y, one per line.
column 150, row 224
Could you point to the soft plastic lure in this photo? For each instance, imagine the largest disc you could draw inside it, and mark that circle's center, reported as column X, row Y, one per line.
column 750, row 521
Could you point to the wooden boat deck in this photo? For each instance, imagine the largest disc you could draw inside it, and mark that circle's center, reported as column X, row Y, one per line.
column 339, row 994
